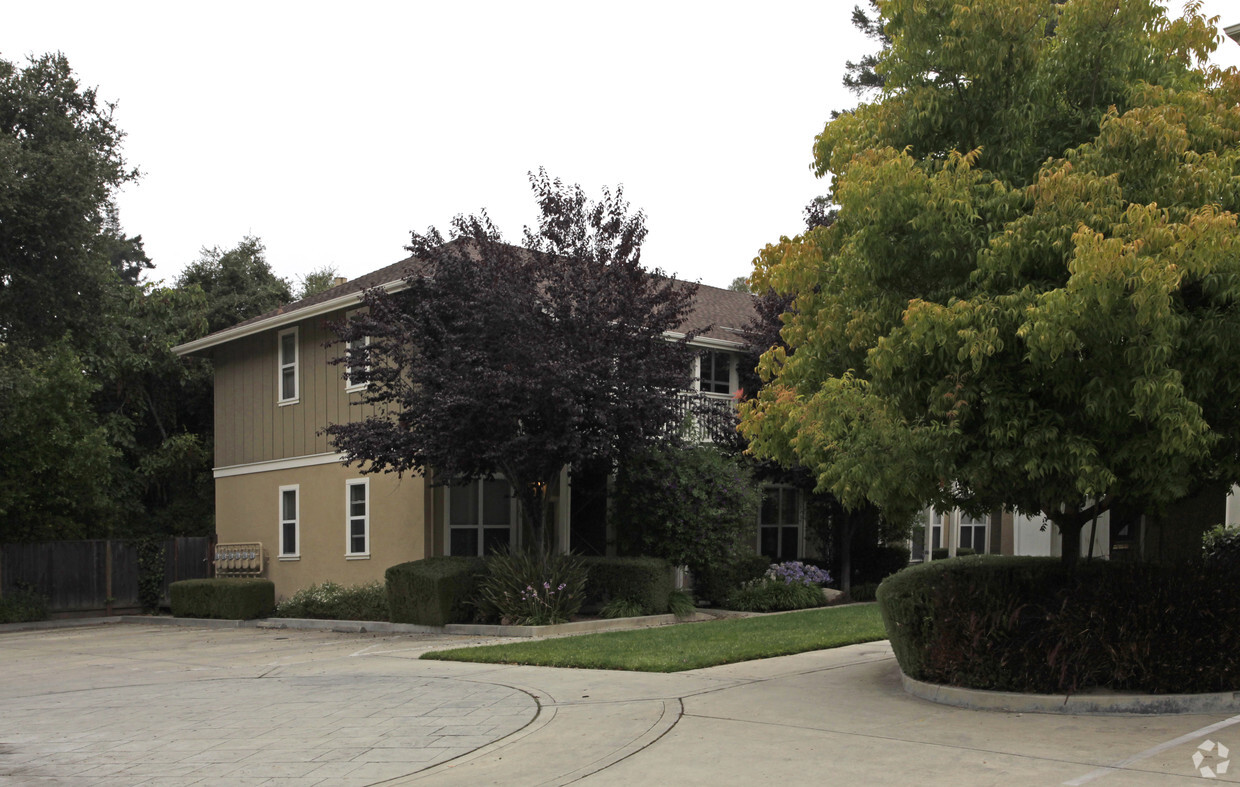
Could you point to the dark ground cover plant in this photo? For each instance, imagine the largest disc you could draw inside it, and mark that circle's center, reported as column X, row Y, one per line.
column 784, row 586
column 332, row 601
column 22, row 606
column 531, row 589
column 1034, row 625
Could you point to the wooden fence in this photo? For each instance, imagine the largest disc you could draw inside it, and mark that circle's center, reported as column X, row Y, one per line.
column 101, row 574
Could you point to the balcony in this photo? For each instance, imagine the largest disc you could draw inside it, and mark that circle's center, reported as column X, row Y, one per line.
column 707, row 417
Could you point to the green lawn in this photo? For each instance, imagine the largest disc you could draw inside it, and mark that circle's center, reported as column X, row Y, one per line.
column 689, row 645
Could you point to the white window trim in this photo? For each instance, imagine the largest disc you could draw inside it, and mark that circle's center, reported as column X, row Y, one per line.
column 800, row 519
column 348, row 519
column 296, row 520
column 984, row 524
column 281, row 366
column 349, row 385
column 514, row 532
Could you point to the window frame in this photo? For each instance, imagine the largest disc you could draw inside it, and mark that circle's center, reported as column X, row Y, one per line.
column 797, row 521
column 479, row 526
column 981, row 523
column 349, row 385
column 350, row 518
column 282, row 365
column 295, row 521
column 702, row 380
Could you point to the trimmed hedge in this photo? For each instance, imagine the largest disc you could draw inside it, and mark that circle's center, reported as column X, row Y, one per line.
column 719, row 583
column 1028, row 624
column 435, row 591
column 646, row 582
column 1220, row 547
column 22, row 606
column 228, row 599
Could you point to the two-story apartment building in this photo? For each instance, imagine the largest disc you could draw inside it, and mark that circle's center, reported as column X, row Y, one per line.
column 280, row 484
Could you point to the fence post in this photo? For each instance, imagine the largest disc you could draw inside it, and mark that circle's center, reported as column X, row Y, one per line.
column 107, row 575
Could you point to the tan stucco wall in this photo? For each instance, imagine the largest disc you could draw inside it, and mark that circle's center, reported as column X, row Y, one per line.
column 247, row 509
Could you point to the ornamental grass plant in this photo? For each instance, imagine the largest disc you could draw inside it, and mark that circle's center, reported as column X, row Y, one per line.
column 529, row 589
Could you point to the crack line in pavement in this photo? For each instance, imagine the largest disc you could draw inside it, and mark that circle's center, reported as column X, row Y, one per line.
column 874, row 736
column 680, row 713
column 1150, row 752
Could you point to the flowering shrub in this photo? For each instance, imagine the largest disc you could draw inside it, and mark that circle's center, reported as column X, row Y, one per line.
column 775, row 595
column 330, row 601
column 523, row 589
column 798, row 572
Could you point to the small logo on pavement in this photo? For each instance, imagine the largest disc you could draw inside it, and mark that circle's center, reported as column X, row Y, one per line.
column 1217, row 754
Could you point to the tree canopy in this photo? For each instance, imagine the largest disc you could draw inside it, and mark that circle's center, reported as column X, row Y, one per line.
column 519, row 360
column 1028, row 298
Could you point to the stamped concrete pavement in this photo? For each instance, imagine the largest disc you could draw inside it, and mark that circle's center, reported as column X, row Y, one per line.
column 134, row 704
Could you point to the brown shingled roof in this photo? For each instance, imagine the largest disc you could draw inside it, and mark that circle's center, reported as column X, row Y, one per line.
column 726, row 311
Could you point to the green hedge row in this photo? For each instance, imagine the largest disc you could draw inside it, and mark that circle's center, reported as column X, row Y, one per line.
column 435, row 591
column 1030, row 625
column 646, row 582
column 229, row 599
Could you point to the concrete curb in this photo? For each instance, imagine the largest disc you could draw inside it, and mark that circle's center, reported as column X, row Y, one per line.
column 59, row 623
column 1090, row 704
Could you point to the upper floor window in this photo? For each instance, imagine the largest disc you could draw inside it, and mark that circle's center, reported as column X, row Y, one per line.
column 357, row 518
column 290, row 527
column 288, row 366
column 351, row 384
column 715, row 372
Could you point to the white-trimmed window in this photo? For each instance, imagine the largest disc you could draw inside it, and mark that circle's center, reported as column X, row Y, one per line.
column 973, row 532
column 349, row 384
column 779, row 523
column 715, row 372
column 936, row 530
column 480, row 517
column 357, row 518
column 287, row 382
column 290, row 522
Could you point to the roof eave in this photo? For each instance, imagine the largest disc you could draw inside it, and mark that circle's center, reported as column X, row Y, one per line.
column 278, row 320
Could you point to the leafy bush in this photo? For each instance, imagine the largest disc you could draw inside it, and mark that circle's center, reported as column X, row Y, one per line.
column 1220, row 547
column 1029, row 624
column 531, row 589
column 151, row 572
column 880, row 562
column 432, row 592
column 330, row 601
column 718, row 583
column 229, row 599
column 641, row 583
column 775, row 595
column 22, row 606
column 691, row 506
column 943, row 554
column 867, row 591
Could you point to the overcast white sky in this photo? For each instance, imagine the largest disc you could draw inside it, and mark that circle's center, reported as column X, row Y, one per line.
column 330, row 130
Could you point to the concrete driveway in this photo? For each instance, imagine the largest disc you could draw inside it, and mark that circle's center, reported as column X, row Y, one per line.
column 154, row 705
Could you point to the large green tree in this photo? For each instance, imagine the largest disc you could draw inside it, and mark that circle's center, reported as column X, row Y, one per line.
column 1029, row 296
column 237, row 282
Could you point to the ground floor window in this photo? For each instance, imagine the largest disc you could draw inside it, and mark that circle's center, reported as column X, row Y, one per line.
column 289, row 522
column 480, row 517
column 779, row 523
column 973, row 532
column 936, row 529
column 357, row 518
